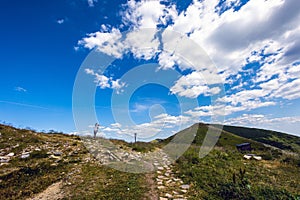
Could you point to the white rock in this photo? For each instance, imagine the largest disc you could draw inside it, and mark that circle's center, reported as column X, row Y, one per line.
column 54, row 157
column 161, row 187
column 25, row 155
column 257, row 157
column 57, row 153
column 162, row 198
column 4, row 159
column 10, row 154
column 168, row 195
column 186, row 187
column 168, row 182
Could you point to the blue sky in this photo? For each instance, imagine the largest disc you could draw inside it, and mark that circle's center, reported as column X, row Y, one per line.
column 232, row 61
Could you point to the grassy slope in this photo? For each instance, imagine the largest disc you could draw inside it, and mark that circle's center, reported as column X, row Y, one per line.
column 82, row 177
column 220, row 175
column 276, row 139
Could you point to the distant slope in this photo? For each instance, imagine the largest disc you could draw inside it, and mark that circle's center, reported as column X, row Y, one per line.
column 280, row 140
column 232, row 135
column 225, row 174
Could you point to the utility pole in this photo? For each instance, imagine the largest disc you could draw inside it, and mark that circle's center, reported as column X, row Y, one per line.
column 135, row 134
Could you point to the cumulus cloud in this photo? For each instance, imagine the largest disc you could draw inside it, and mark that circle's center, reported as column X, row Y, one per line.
column 107, row 42
column 234, row 34
column 155, row 127
column 259, row 120
column 194, row 84
column 105, row 82
column 246, row 119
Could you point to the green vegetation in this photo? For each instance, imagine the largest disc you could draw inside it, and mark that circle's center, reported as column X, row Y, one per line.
column 78, row 171
column 101, row 182
column 273, row 138
column 142, row 147
column 225, row 174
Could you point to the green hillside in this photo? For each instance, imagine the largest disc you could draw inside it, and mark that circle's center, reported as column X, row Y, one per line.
column 273, row 138
column 225, row 174
column 59, row 158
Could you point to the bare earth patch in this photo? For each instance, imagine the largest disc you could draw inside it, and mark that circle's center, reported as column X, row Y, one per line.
column 53, row 192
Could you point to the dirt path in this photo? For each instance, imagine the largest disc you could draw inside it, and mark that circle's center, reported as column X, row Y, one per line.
column 152, row 194
column 53, row 192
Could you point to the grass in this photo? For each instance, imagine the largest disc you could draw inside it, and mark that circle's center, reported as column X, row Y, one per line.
column 24, row 178
column 276, row 139
column 101, row 182
column 212, row 176
column 143, row 147
column 27, row 181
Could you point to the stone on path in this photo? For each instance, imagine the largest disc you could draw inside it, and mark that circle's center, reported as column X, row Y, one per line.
column 163, row 198
column 184, row 191
column 25, row 155
column 54, row 157
column 57, row 153
column 168, row 195
column 4, row 159
column 186, row 187
column 161, row 187
column 10, row 154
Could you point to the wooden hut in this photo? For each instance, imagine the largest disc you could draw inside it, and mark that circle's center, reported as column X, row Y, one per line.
column 244, row 147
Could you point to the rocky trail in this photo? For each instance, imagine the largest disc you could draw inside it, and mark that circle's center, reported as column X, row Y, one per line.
column 160, row 178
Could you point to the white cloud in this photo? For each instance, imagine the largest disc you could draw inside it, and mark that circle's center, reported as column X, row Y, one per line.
column 228, row 108
column 137, row 108
column 60, row 21
column 104, row 82
column 91, row 3
column 142, row 43
column 147, row 14
column 266, row 32
column 116, row 125
column 258, row 120
column 196, row 83
column 290, row 90
column 159, row 124
column 20, row 89
column 106, row 42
